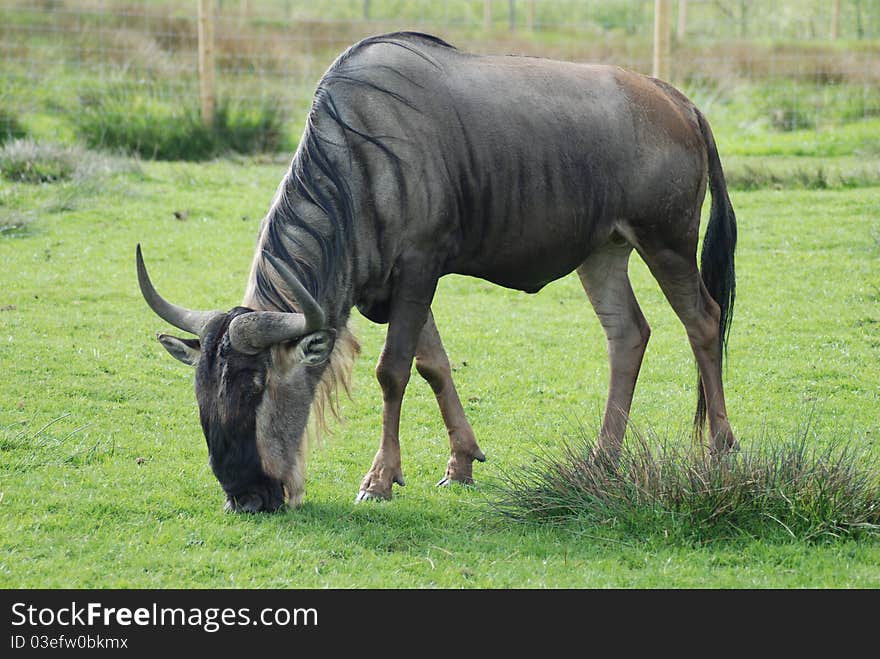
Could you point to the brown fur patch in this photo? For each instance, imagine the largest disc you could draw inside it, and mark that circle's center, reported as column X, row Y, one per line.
column 664, row 106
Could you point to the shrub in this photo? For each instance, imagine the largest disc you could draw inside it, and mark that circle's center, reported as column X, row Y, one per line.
column 139, row 120
column 789, row 117
column 10, row 128
column 250, row 129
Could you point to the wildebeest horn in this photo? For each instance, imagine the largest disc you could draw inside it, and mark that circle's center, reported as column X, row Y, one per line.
column 308, row 306
column 190, row 321
column 253, row 332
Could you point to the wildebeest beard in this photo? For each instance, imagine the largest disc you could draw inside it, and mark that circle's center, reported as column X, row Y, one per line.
column 229, row 387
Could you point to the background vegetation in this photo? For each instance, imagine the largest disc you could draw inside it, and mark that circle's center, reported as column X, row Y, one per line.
column 125, row 74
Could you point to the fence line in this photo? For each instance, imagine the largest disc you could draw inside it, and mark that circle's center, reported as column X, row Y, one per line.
column 815, row 63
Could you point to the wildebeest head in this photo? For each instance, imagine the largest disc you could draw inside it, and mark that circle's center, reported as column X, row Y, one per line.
column 256, row 373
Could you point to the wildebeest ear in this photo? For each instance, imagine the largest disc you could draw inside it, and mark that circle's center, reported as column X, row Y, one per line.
column 315, row 348
column 186, row 350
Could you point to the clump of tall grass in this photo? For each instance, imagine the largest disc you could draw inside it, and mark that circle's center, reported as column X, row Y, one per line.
column 811, row 176
column 141, row 121
column 804, row 105
column 14, row 222
column 28, row 161
column 792, row 488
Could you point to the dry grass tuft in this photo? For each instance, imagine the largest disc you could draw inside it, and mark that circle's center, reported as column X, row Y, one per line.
column 28, row 161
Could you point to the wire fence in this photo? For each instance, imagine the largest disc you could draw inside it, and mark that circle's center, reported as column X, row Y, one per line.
column 783, row 64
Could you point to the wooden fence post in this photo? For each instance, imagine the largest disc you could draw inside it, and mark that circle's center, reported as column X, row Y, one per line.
column 662, row 48
column 530, row 15
column 835, row 20
column 682, row 24
column 487, row 14
column 207, row 84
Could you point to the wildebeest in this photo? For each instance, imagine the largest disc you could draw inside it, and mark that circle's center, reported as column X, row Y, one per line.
column 419, row 160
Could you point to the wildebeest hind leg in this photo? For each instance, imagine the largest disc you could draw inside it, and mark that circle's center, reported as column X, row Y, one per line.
column 413, row 288
column 606, row 280
column 678, row 276
column 432, row 364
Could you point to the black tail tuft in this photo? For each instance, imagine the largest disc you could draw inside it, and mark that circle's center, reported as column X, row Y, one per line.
column 717, row 258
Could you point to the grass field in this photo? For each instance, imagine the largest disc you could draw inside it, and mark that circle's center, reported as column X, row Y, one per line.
column 103, row 474
column 104, row 479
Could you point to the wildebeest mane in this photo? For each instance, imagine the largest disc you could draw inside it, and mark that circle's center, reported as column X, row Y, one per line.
column 318, row 175
column 315, row 175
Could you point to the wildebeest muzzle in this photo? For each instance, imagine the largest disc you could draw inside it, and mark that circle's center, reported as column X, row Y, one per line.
column 267, row 496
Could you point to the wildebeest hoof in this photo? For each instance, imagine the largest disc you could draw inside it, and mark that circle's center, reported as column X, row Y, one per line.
column 446, row 481
column 460, row 468
column 366, row 495
column 724, row 445
column 378, row 482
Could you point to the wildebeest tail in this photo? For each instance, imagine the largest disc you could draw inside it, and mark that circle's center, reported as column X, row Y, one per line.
column 717, row 258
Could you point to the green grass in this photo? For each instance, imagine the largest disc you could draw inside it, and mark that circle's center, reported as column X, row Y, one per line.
column 44, row 165
column 860, row 138
column 103, row 474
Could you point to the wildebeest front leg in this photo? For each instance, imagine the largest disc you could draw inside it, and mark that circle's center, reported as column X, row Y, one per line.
column 414, row 284
column 432, row 364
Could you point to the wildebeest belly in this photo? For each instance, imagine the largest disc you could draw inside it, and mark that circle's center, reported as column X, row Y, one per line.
column 527, row 255
column 524, row 274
